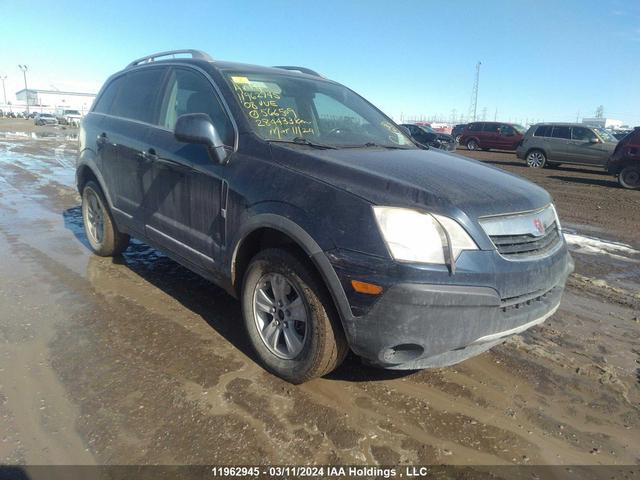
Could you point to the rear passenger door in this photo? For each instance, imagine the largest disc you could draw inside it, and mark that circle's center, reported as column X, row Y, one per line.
column 184, row 187
column 491, row 136
column 558, row 142
column 124, row 135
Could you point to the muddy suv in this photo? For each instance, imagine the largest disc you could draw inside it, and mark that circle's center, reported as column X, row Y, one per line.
column 550, row 144
column 333, row 228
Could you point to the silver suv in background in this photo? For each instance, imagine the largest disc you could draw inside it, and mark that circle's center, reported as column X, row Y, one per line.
column 550, row 144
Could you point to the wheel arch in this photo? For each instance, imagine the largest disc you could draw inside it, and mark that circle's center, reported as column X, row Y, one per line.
column 86, row 171
column 539, row 149
column 271, row 230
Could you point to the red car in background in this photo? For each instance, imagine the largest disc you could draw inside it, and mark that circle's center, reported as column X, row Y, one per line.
column 488, row 135
column 625, row 161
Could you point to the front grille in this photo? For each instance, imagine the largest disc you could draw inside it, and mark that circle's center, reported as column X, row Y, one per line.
column 527, row 245
column 524, row 235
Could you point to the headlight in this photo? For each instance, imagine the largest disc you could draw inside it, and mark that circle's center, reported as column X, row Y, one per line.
column 414, row 236
column 553, row 207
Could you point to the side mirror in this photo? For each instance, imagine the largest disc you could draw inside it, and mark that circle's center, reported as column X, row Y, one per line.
column 595, row 140
column 197, row 128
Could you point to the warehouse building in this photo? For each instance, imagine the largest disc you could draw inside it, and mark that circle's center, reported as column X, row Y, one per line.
column 50, row 100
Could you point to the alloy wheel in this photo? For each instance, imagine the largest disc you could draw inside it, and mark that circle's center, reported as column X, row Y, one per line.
column 93, row 214
column 535, row 159
column 280, row 315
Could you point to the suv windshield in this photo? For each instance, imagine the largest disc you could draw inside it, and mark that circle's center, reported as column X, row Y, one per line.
column 519, row 128
column 288, row 108
column 606, row 135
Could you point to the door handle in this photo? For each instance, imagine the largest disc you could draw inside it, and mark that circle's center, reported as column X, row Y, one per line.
column 102, row 139
column 150, row 155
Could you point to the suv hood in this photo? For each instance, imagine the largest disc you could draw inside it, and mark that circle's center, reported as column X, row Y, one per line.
column 417, row 178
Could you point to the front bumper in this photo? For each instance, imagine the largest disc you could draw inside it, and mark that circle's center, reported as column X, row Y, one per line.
column 421, row 325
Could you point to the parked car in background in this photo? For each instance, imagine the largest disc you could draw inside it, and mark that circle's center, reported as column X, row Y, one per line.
column 550, row 144
column 488, row 135
column 45, row 119
column 334, row 231
column 427, row 136
column 625, row 161
column 456, row 131
column 68, row 117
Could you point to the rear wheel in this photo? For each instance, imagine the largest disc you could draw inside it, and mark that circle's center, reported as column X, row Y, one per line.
column 290, row 318
column 472, row 144
column 536, row 159
column 629, row 177
column 104, row 238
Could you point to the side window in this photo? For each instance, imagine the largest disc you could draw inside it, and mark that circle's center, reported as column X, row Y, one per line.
column 474, row 127
column 543, row 131
column 507, row 130
column 103, row 104
column 491, row 127
column 561, row 132
column 582, row 134
column 191, row 92
column 138, row 95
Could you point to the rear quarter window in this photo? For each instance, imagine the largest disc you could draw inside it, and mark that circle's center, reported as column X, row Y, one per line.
column 104, row 102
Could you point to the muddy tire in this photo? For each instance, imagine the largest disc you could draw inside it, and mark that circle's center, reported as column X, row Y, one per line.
column 536, row 159
column 290, row 317
column 629, row 177
column 103, row 236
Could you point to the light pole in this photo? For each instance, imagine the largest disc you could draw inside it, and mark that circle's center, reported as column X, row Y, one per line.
column 4, row 91
column 24, row 69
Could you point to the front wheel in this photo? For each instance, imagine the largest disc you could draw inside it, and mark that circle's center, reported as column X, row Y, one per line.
column 104, row 238
column 536, row 159
column 290, row 318
column 629, row 177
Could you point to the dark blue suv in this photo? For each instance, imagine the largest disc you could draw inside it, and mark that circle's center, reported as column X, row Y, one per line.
column 334, row 229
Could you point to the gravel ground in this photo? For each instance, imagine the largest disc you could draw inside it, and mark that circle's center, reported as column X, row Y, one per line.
column 137, row 360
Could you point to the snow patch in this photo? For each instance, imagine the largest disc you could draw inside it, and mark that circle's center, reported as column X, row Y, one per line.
column 593, row 245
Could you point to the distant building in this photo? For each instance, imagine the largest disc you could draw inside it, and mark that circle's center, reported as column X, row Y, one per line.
column 51, row 100
column 609, row 123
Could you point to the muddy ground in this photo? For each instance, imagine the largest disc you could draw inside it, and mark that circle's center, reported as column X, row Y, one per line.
column 137, row 360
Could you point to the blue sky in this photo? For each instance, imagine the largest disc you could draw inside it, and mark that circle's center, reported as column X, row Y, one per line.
column 542, row 60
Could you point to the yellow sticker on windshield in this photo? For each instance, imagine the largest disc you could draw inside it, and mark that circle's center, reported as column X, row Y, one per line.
column 239, row 79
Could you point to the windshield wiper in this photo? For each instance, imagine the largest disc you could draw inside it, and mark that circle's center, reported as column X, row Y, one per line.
column 304, row 141
column 377, row 145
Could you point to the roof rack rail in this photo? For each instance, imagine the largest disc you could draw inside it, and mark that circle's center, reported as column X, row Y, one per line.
column 306, row 70
column 152, row 58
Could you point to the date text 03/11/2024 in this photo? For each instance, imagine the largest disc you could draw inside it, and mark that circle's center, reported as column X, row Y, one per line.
column 320, row 471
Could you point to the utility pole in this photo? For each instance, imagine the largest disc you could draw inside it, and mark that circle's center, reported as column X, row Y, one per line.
column 4, row 91
column 495, row 115
column 484, row 113
column 24, row 69
column 473, row 106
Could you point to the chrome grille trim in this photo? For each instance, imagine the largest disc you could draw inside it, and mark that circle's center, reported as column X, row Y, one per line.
column 525, row 235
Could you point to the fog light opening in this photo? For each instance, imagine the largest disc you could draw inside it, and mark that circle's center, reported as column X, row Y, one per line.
column 403, row 353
